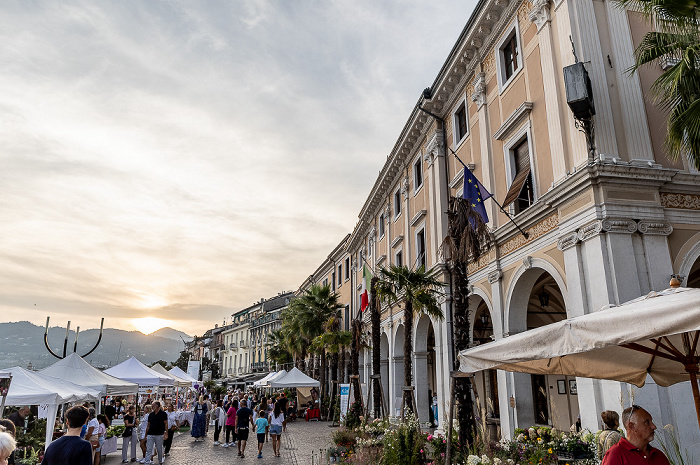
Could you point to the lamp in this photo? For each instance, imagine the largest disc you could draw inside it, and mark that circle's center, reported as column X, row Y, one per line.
column 579, row 97
column 484, row 319
column 544, row 298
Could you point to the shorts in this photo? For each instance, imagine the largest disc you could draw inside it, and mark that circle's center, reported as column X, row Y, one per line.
column 261, row 438
column 242, row 434
column 276, row 430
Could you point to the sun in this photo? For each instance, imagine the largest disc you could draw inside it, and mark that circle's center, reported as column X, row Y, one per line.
column 149, row 324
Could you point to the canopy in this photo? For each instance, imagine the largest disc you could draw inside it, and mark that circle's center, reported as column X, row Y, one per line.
column 656, row 334
column 136, row 372
column 295, row 378
column 263, row 381
column 179, row 382
column 73, row 367
column 180, row 373
column 279, row 375
column 30, row 388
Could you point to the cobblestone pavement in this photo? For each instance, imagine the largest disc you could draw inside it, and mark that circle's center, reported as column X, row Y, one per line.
column 302, row 444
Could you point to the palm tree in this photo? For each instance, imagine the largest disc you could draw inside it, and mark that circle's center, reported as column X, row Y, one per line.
column 294, row 342
column 419, row 290
column 678, row 89
column 277, row 347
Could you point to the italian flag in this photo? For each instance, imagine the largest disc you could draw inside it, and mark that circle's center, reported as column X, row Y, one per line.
column 364, row 297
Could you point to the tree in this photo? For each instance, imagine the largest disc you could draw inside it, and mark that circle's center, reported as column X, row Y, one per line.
column 277, row 348
column 468, row 238
column 375, row 318
column 333, row 339
column 419, row 290
column 182, row 360
column 677, row 90
column 162, row 363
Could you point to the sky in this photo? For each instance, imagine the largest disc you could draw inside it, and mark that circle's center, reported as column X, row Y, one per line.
column 179, row 160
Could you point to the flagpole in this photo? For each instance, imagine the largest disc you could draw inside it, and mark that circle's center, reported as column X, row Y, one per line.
column 493, row 198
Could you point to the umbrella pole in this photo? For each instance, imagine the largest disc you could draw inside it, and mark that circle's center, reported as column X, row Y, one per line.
column 696, row 392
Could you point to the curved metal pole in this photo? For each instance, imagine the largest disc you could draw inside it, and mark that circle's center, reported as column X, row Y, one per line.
column 102, row 323
column 75, row 345
column 46, row 339
column 65, row 341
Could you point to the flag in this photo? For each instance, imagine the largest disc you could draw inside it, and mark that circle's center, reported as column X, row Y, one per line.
column 366, row 278
column 475, row 193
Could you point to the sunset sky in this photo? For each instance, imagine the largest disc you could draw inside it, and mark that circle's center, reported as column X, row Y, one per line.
column 180, row 160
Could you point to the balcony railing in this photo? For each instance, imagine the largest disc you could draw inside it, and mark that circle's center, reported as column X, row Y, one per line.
column 244, row 344
column 233, row 345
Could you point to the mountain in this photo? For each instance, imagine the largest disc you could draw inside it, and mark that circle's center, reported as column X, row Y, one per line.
column 23, row 342
column 170, row 333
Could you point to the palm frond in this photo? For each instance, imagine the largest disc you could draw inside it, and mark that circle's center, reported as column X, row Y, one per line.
column 472, row 236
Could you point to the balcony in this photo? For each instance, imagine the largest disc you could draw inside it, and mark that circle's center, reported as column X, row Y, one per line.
column 244, row 344
column 232, row 346
column 230, row 370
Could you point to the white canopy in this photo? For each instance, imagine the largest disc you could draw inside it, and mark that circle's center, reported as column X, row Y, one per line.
column 179, row 382
column 656, row 335
column 180, row 373
column 30, row 388
column 263, row 381
column 276, row 376
column 295, row 378
column 136, row 372
column 74, row 368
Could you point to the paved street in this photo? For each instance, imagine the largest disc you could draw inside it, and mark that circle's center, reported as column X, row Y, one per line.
column 299, row 443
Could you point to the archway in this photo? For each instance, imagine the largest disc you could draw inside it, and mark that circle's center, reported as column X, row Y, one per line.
column 424, row 368
column 384, row 356
column 485, row 382
column 397, row 361
column 536, row 299
column 693, row 279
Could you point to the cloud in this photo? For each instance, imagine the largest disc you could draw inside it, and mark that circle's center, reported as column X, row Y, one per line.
column 199, row 154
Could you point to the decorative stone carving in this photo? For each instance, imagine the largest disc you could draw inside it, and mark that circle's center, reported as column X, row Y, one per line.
column 435, row 146
column 540, row 13
column 618, row 225
column 656, row 228
column 590, row 230
column 489, row 64
column 479, row 95
column 527, row 261
column 480, row 264
column 535, row 232
column 386, row 213
column 682, row 201
column 523, row 13
column 567, row 241
column 429, row 158
column 495, row 275
column 404, row 187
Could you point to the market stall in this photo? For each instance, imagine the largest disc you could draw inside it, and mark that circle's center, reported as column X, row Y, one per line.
column 150, row 381
column 80, row 372
column 304, row 384
column 177, row 371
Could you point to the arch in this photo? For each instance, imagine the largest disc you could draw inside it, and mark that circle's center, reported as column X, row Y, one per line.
column 398, row 340
column 474, row 298
column 420, row 333
column 689, row 258
column 521, row 284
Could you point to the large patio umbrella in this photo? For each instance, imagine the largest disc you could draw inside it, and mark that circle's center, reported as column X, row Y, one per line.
column 654, row 335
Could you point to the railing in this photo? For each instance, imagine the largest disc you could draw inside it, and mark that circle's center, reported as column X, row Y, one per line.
column 244, row 345
column 232, row 345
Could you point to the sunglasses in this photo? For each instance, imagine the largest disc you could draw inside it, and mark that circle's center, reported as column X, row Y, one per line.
column 634, row 407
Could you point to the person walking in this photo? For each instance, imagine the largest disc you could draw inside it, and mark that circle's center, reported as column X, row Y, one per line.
column 70, row 448
column 610, row 435
column 130, row 435
column 199, row 423
column 243, row 419
column 142, row 433
column 173, row 425
column 635, row 448
column 156, row 432
column 219, row 420
column 277, row 424
column 261, row 427
column 231, row 423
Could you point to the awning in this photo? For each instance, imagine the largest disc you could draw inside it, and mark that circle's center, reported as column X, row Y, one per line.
column 517, row 186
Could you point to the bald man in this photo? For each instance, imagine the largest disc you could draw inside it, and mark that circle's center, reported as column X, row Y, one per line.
column 635, row 448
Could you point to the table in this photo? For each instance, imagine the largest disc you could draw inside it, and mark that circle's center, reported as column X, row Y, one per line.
column 312, row 413
column 109, row 446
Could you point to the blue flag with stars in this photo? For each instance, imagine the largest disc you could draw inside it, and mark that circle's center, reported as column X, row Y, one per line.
column 475, row 193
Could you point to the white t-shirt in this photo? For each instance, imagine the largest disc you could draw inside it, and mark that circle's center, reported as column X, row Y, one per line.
column 276, row 421
column 95, row 425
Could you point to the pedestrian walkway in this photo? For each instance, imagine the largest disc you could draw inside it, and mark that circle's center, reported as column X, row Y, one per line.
column 302, row 444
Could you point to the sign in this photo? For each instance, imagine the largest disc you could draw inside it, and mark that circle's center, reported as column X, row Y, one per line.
column 344, row 398
column 193, row 368
column 147, row 390
column 43, row 411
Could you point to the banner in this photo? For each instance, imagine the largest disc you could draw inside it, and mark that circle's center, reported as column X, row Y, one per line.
column 147, row 390
column 344, row 398
column 193, row 368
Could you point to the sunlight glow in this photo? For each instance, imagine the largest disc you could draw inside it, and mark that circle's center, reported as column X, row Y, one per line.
column 149, row 324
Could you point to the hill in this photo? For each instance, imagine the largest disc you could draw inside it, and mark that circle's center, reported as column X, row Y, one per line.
column 23, row 342
column 170, row 333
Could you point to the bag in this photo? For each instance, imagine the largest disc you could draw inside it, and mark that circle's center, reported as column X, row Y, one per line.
column 128, row 431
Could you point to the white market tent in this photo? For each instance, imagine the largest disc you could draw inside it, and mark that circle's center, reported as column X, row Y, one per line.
column 294, row 379
column 73, row 367
column 180, row 373
column 3, row 375
column 179, row 382
column 655, row 335
column 263, row 381
column 279, row 375
column 30, row 388
column 136, row 372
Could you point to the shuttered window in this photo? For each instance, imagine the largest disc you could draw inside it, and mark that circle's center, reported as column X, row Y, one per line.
column 521, row 193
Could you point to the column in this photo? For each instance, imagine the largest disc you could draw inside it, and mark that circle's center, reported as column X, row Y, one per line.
column 439, row 201
column 541, row 17
column 420, row 366
column 628, row 86
column 656, row 252
column 397, row 388
column 485, row 155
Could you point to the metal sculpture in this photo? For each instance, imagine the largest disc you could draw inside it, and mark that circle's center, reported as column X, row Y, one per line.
column 65, row 341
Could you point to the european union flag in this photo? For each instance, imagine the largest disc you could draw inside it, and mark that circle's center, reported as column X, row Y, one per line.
column 475, row 193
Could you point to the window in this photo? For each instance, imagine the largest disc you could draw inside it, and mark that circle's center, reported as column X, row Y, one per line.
column 347, row 268
column 397, row 203
column 459, row 117
column 381, row 225
column 333, row 280
column 417, row 175
column 398, row 258
column 509, row 60
column 521, row 192
column 340, row 275
column 420, row 248
column 325, row 282
column 347, row 318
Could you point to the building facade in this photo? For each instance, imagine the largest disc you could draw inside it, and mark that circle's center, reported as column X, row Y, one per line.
column 263, row 320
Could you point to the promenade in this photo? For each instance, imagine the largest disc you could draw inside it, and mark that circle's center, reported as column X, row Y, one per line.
column 299, row 442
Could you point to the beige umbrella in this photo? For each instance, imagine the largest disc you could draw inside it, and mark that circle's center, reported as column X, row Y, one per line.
column 654, row 335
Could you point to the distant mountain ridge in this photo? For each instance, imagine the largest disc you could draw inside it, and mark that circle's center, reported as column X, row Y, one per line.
column 23, row 342
column 170, row 333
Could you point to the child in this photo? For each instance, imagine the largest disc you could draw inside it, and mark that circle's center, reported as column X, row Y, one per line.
column 261, row 426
